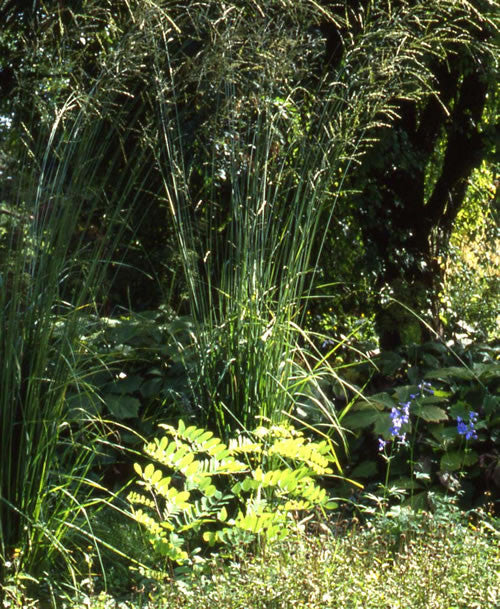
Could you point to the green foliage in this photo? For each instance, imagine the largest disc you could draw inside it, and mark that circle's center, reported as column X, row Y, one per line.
column 394, row 225
column 133, row 367
column 437, row 457
column 227, row 494
column 470, row 268
column 236, row 126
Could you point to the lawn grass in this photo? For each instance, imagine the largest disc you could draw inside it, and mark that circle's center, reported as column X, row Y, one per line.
column 441, row 565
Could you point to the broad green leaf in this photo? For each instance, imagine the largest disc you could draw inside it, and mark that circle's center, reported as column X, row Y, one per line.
column 211, row 444
column 440, row 393
column 150, row 387
column 451, row 461
column 382, row 399
column 157, row 476
column 169, row 451
column 210, row 490
column 444, row 435
column 406, row 483
column 192, row 432
column 218, row 450
column 389, row 362
column 491, row 404
column 452, row 372
column 430, row 361
column 210, row 537
column 414, row 373
column 258, row 474
column 128, row 384
column 361, row 418
column 181, row 499
column 185, row 461
column 432, row 399
column 403, row 392
column 382, row 424
column 455, row 460
column 248, row 484
column 470, row 457
column 431, row 414
column 122, row 406
column 196, row 433
column 162, row 445
column 172, row 493
column 487, row 371
column 205, row 436
column 204, row 483
column 366, row 469
column 460, row 409
column 191, row 469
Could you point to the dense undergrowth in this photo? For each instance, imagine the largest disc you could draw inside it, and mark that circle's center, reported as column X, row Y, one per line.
column 441, row 560
column 450, row 566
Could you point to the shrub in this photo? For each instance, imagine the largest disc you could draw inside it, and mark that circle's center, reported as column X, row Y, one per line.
column 449, row 435
column 247, row 490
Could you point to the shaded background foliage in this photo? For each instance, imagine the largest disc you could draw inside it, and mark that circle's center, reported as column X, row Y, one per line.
column 406, row 192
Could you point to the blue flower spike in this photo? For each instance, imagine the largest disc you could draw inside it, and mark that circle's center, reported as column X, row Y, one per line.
column 468, row 429
column 401, row 416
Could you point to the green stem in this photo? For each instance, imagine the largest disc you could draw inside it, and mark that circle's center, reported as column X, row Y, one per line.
column 386, row 481
column 412, row 463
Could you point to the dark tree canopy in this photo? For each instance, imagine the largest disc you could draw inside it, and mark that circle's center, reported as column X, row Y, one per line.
column 411, row 185
column 405, row 190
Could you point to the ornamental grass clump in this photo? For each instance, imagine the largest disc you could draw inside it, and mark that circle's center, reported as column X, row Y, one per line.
column 52, row 278
column 250, row 154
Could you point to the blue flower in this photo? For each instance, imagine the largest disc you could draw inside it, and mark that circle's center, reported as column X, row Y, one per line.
column 405, row 417
column 397, row 422
column 425, row 386
column 461, row 426
column 401, row 416
column 381, row 444
column 468, row 429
